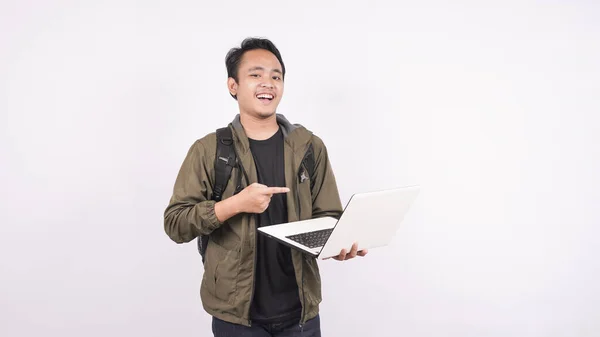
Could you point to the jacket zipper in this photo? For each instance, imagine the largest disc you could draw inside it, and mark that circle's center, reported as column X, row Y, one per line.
column 255, row 240
column 299, row 212
column 256, row 220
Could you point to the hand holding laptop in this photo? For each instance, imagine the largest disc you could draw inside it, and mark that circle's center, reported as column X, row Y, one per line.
column 352, row 254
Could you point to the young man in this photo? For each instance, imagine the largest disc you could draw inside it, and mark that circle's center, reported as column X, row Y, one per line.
column 252, row 285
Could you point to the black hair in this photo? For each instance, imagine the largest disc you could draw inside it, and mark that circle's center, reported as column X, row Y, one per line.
column 234, row 56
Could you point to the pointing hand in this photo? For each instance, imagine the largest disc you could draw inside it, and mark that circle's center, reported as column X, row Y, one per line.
column 256, row 197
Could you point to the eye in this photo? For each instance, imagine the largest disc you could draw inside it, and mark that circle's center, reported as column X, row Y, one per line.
column 277, row 78
column 254, row 75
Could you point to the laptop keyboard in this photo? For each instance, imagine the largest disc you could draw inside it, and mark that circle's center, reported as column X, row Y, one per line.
column 312, row 239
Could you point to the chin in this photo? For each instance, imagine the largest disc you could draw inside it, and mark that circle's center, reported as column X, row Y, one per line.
column 265, row 114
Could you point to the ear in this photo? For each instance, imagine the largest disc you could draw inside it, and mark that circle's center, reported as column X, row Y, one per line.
column 232, row 86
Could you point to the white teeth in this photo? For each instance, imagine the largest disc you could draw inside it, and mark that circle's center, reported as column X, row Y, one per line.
column 265, row 96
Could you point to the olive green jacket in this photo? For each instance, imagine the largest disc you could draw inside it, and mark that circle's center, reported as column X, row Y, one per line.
column 228, row 280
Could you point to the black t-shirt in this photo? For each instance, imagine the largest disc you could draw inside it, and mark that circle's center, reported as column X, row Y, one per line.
column 276, row 296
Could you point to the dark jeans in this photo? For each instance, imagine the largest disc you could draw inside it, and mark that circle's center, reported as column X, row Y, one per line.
column 312, row 328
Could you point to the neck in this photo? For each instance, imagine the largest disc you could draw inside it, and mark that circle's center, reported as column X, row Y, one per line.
column 259, row 128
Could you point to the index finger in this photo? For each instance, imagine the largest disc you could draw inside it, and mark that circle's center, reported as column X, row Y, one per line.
column 274, row 190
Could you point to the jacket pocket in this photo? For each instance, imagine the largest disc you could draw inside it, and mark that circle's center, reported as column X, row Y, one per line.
column 221, row 271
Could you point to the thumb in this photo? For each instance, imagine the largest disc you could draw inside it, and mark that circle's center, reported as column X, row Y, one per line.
column 257, row 185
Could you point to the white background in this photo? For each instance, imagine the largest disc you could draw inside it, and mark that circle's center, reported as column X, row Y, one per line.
column 492, row 108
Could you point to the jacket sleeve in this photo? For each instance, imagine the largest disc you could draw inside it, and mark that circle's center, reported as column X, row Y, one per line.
column 325, row 194
column 190, row 212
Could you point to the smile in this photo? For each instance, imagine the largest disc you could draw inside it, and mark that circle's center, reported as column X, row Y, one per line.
column 265, row 96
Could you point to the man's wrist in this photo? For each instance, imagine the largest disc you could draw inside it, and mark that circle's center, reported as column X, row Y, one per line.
column 227, row 208
column 233, row 203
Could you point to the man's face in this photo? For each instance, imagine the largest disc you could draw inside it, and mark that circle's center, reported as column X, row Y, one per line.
column 260, row 83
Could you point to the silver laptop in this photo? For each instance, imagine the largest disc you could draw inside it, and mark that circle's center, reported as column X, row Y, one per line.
column 370, row 219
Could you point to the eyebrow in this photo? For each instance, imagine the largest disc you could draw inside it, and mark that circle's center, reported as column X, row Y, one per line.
column 262, row 69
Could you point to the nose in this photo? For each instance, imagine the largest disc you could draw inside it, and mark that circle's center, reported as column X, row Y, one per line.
column 267, row 84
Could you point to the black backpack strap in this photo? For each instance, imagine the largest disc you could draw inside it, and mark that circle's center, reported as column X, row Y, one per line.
column 225, row 160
